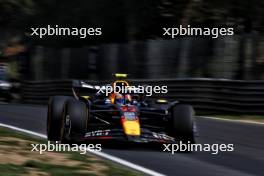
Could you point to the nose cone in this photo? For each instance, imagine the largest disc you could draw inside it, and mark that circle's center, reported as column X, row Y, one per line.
column 131, row 128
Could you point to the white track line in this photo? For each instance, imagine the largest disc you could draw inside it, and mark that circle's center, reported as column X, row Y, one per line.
column 24, row 131
column 232, row 120
column 101, row 154
column 127, row 163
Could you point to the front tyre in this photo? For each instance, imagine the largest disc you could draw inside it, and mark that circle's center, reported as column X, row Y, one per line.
column 55, row 118
column 76, row 116
column 182, row 123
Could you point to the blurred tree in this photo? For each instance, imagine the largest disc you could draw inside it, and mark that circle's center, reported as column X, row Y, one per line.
column 14, row 13
column 132, row 19
column 126, row 20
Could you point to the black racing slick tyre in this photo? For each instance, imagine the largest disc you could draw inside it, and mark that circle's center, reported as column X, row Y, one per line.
column 182, row 123
column 76, row 118
column 55, row 117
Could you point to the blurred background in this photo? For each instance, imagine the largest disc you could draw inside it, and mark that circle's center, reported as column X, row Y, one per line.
column 132, row 40
column 33, row 69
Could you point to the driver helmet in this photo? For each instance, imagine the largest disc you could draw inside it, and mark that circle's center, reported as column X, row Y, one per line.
column 119, row 99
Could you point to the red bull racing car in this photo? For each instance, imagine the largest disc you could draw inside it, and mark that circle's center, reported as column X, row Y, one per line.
column 117, row 116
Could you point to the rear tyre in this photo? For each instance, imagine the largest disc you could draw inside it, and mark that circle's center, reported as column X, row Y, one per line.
column 54, row 120
column 76, row 116
column 182, row 123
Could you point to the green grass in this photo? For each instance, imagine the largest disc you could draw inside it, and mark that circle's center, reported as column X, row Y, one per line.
column 86, row 162
column 14, row 143
column 11, row 169
column 116, row 170
column 56, row 170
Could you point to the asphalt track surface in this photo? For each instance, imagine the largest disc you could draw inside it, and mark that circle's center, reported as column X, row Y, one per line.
column 247, row 159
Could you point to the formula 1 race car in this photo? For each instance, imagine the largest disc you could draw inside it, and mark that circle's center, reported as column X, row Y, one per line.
column 118, row 116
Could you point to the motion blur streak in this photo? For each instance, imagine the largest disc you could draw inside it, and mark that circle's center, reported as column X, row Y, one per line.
column 246, row 160
column 101, row 154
